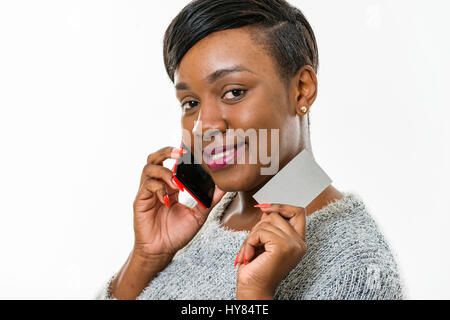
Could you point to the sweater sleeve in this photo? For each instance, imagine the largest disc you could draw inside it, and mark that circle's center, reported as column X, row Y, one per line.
column 365, row 282
column 103, row 293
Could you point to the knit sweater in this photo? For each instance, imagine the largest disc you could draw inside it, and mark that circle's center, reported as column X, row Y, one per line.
column 347, row 257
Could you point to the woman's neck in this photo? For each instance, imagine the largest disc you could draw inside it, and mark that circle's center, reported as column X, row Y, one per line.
column 241, row 215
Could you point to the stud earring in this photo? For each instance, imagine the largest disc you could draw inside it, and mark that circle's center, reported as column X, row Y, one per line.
column 303, row 109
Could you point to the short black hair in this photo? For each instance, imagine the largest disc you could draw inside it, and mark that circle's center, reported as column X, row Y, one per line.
column 286, row 34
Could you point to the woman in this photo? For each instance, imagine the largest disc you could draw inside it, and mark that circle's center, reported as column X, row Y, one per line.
column 247, row 64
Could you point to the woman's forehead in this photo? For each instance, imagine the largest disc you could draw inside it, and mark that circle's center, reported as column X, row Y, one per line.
column 222, row 50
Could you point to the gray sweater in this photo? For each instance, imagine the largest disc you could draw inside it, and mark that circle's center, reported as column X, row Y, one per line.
column 347, row 258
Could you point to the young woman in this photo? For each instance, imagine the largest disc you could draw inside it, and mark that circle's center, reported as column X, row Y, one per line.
column 242, row 64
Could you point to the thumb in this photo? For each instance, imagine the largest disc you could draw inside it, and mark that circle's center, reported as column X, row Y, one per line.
column 218, row 195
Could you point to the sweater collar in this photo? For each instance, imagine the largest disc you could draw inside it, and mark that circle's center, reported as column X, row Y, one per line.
column 347, row 205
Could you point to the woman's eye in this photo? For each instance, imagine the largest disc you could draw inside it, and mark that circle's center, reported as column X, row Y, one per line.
column 189, row 104
column 234, row 94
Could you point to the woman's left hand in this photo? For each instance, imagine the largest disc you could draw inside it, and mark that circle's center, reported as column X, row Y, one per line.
column 272, row 249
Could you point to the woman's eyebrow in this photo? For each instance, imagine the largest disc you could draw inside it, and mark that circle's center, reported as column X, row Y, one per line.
column 223, row 72
column 219, row 73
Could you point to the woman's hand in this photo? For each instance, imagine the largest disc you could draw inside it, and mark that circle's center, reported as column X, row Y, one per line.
column 272, row 249
column 162, row 225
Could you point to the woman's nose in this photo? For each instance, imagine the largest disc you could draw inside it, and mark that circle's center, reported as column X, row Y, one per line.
column 210, row 122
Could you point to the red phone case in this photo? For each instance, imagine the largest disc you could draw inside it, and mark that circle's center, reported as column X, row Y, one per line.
column 180, row 184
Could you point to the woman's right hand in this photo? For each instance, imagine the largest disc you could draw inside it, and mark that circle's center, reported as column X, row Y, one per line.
column 161, row 231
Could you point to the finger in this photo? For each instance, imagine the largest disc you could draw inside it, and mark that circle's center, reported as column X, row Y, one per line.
column 296, row 215
column 262, row 237
column 200, row 213
column 159, row 172
column 260, row 225
column 268, row 222
column 249, row 251
column 277, row 220
column 162, row 154
column 151, row 188
column 285, row 210
column 217, row 196
column 299, row 223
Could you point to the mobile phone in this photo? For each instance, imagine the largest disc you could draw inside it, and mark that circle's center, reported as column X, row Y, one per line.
column 190, row 176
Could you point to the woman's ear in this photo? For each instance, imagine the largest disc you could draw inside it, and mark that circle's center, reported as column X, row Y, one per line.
column 305, row 88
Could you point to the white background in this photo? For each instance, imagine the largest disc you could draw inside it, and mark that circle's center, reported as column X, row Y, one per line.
column 84, row 99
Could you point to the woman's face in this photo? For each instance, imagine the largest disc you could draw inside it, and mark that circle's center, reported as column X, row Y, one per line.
column 253, row 96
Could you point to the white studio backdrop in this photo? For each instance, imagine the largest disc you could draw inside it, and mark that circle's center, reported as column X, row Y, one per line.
column 84, row 99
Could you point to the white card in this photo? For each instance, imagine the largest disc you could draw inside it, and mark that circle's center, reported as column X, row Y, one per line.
column 297, row 183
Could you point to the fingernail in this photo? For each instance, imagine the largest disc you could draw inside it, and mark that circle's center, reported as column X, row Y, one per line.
column 179, row 186
column 245, row 261
column 166, row 200
column 236, row 260
column 174, row 184
column 262, row 205
column 179, row 151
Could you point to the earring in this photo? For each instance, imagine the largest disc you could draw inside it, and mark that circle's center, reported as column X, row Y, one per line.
column 303, row 109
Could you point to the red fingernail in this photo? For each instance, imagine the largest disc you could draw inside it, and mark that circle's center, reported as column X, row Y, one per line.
column 166, row 200
column 179, row 151
column 245, row 261
column 179, row 185
column 236, row 260
column 262, row 205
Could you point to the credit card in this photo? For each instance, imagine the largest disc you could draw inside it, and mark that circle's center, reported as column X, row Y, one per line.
column 298, row 183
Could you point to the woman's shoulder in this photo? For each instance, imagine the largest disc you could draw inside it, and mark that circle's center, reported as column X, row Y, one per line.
column 347, row 255
column 347, row 252
column 345, row 221
column 348, row 228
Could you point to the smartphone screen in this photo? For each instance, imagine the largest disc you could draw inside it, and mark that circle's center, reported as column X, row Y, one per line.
column 194, row 178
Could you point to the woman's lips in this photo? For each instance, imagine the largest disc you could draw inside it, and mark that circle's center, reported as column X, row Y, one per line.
column 222, row 159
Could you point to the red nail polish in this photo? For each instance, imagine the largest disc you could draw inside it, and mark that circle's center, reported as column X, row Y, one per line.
column 262, row 205
column 245, row 261
column 166, row 200
column 180, row 185
column 180, row 151
column 236, row 260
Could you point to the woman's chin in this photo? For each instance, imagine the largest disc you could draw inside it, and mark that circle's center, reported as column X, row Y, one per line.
column 236, row 177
